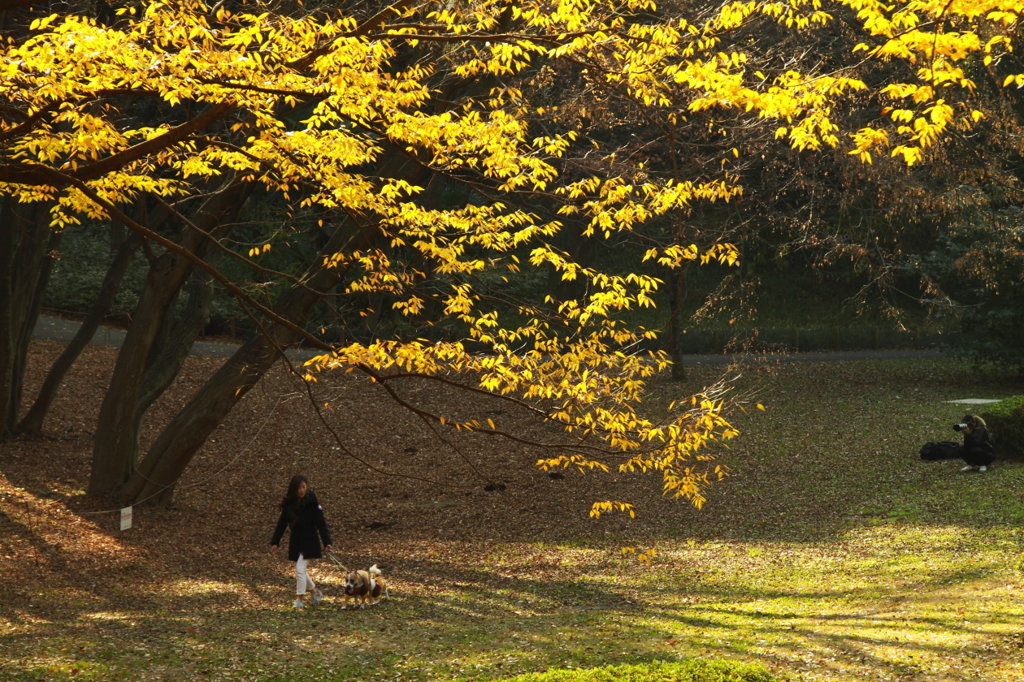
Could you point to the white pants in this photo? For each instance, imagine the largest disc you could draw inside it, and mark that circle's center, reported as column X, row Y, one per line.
column 302, row 580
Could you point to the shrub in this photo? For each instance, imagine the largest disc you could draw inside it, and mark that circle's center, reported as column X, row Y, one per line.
column 78, row 272
column 977, row 263
column 684, row 671
column 1005, row 421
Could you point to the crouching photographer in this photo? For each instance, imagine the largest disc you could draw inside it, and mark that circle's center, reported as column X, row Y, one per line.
column 977, row 450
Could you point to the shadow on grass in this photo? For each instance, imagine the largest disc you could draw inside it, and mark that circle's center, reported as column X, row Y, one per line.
column 472, row 621
column 822, row 462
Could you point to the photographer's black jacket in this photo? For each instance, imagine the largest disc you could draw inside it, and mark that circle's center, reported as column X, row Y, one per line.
column 977, row 449
column 978, row 438
column 306, row 519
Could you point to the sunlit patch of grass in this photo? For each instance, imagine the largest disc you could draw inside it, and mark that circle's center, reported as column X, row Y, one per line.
column 64, row 667
column 201, row 587
column 106, row 616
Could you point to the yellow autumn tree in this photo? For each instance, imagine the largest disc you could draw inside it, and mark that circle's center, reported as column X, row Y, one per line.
column 313, row 105
column 944, row 42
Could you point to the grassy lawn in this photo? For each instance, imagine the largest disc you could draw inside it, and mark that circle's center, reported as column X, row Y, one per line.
column 831, row 552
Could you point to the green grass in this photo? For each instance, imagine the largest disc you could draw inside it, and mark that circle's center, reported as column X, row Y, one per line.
column 689, row 671
column 831, row 554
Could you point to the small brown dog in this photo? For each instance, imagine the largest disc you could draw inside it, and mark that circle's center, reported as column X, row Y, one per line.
column 366, row 586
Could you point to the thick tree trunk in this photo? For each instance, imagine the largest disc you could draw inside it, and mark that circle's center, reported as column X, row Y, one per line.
column 158, row 472
column 35, row 307
column 166, row 361
column 117, row 433
column 32, row 424
column 25, row 262
column 677, row 295
column 8, row 341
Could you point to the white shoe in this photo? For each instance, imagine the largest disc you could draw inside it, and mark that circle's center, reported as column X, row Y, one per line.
column 968, row 468
column 317, row 596
column 299, row 604
column 983, row 468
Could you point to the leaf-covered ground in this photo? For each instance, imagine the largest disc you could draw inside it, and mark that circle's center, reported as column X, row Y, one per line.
column 831, row 552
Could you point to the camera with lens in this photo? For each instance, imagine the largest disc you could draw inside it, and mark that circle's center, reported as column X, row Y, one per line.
column 961, row 427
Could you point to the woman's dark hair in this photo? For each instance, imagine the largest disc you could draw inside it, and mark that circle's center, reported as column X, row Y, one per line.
column 293, row 490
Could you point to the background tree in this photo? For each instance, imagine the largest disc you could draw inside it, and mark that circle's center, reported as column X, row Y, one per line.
column 24, row 266
column 936, row 235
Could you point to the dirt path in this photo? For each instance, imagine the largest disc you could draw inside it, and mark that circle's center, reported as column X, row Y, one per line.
column 58, row 329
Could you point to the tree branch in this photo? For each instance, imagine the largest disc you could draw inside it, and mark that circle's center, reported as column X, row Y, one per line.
column 172, row 136
column 29, row 122
column 38, row 174
column 14, row 4
column 370, row 24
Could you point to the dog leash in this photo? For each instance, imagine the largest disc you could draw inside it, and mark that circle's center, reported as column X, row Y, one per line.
column 330, row 555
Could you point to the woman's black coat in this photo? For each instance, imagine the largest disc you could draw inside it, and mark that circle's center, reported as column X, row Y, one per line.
column 305, row 520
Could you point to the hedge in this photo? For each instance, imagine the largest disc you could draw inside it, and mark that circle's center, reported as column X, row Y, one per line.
column 1005, row 421
column 684, row 671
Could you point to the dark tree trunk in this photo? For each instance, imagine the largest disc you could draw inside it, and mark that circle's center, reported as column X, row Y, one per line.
column 117, row 433
column 46, row 260
column 32, row 424
column 8, row 340
column 583, row 251
column 25, row 262
column 167, row 360
column 676, row 296
column 158, row 472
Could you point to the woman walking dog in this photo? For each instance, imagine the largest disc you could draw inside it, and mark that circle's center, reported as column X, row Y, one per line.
column 301, row 512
